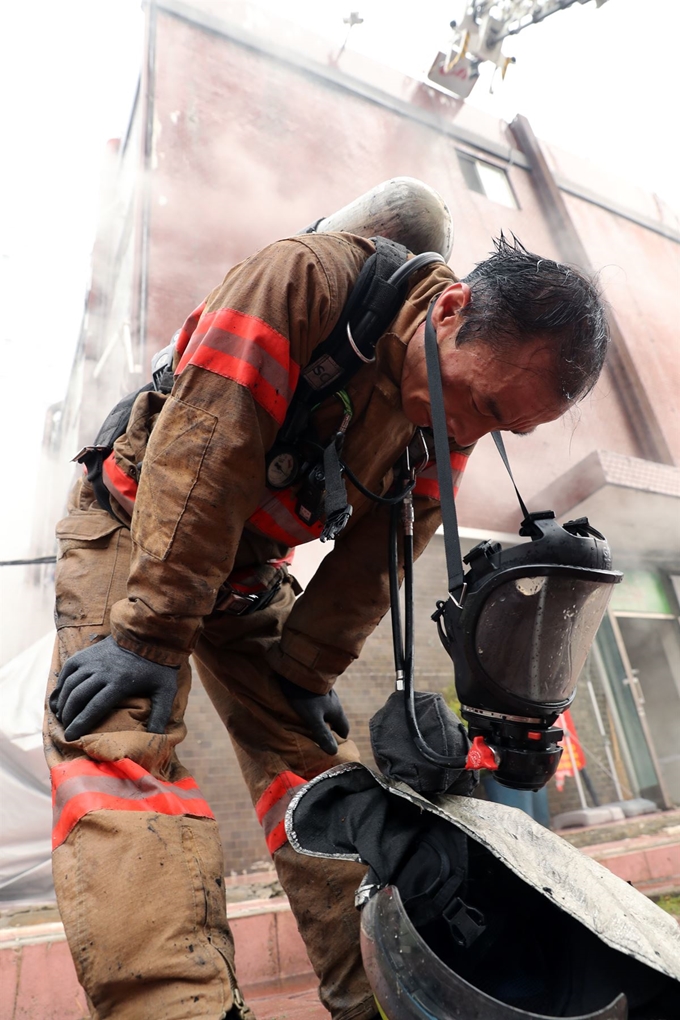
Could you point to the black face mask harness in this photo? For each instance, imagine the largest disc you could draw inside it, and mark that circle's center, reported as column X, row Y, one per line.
column 517, row 624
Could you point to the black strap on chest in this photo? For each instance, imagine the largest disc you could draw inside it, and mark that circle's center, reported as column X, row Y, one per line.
column 377, row 296
column 114, row 426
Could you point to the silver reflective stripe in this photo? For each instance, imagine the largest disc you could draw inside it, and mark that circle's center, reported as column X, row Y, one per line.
column 246, row 350
column 127, row 789
column 347, row 766
column 277, row 812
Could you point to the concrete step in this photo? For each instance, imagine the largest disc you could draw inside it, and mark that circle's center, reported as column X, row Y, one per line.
column 651, row 863
column 37, row 977
column 665, row 823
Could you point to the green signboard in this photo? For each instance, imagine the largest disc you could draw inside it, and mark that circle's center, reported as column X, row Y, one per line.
column 641, row 591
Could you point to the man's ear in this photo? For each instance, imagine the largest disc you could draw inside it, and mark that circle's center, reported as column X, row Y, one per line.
column 451, row 300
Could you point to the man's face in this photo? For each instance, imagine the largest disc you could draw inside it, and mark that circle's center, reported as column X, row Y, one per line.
column 513, row 390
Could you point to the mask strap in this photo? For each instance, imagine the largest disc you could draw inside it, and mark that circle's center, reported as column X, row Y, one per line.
column 500, row 446
column 454, row 559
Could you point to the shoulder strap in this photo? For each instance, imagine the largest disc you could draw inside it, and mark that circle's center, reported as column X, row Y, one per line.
column 367, row 312
column 375, row 300
column 454, row 563
column 93, row 457
column 116, row 421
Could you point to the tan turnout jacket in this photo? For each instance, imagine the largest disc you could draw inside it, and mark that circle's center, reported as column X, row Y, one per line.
column 202, row 506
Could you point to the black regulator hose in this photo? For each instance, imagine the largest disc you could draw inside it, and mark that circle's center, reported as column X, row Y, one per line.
column 395, row 500
column 408, row 658
column 397, row 640
column 401, row 511
column 409, row 631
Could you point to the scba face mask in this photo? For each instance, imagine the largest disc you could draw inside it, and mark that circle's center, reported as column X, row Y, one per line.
column 517, row 624
column 518, row 631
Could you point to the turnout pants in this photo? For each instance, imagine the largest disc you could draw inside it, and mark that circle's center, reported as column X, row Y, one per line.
column 137, row 855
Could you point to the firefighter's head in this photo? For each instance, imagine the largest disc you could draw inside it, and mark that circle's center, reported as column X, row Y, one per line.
column 521, row 339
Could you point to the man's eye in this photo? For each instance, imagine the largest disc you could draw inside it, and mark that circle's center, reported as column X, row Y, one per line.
column 490, row 411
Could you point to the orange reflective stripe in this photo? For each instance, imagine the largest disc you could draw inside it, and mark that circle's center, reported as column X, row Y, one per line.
column 272, row 806
column 277, row 837
column 121, row 486
column 283, row 560
column 248, row 351
column 427, row 483
column 84, row 785
column 187, row 330
column 430, row 487
column 276, row 518
column 248, row 580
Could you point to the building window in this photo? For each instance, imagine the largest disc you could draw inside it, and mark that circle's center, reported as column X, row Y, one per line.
column 487, row 179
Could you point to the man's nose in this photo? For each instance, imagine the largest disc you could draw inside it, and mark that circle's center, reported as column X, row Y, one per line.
column 467, row 433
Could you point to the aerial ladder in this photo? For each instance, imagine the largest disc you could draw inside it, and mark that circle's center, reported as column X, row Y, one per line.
column 479, row 36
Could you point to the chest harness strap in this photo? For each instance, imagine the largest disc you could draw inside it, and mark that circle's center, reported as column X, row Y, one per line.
column 372, row 306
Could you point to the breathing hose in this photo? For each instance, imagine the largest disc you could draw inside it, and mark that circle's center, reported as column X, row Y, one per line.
column 404, row 650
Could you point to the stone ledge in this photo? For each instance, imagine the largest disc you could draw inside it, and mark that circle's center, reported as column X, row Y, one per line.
column 37, row 977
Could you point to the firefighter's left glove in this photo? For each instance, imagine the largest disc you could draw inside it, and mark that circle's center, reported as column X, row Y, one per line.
column 95, row 680
column 319, row 712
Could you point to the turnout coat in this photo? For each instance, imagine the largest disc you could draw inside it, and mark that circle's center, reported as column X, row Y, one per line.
column 189, row 474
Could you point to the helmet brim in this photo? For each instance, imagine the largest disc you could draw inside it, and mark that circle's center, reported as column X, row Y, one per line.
column 410, row 982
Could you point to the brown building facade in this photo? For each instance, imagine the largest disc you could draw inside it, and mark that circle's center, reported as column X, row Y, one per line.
column 242, row 133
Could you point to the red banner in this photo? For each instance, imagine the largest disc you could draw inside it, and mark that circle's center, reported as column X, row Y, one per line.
column 573, row 756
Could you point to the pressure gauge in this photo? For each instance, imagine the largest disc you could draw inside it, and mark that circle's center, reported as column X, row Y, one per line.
column 283, row 466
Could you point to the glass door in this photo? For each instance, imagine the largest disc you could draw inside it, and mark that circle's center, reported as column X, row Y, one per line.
column 653, row 649
column 628, row 712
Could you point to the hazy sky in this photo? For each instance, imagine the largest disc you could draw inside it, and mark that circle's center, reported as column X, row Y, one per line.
column 601, row 83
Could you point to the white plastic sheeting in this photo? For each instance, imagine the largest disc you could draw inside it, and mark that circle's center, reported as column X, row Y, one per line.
column 25, row 798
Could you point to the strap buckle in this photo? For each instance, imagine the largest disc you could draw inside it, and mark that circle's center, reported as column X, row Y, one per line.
column 237, row 603
column 465, row 923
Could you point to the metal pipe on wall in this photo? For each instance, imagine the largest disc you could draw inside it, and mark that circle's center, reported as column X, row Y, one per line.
column 620, row 362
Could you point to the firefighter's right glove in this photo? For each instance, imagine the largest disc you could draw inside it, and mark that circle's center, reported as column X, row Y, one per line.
column 319, row 712
column 95, row 681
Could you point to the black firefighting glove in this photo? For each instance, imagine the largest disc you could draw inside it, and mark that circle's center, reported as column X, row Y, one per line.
column 95, row 680
column 319, row 712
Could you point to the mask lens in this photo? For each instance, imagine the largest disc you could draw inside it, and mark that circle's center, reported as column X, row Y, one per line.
column 534, row 633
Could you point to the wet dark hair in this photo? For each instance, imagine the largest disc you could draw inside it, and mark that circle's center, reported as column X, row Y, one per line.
column 518, row 296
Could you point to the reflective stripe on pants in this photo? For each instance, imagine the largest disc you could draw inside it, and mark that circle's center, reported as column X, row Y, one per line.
column 82, row 785
column 272, row 805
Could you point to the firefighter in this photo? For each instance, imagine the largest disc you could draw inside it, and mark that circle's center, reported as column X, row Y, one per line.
column 190, row 557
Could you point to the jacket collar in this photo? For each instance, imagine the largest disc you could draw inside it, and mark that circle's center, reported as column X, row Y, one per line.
column 391, row 348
